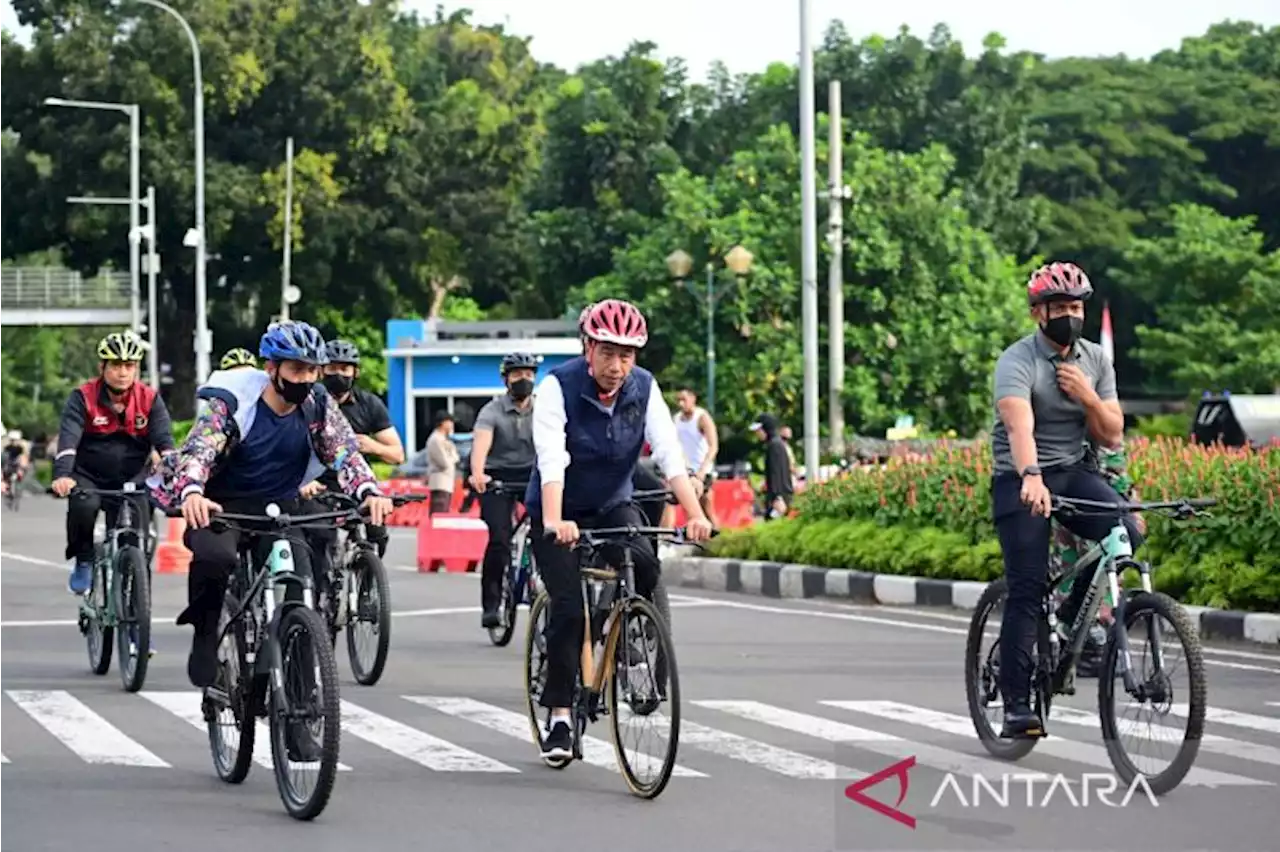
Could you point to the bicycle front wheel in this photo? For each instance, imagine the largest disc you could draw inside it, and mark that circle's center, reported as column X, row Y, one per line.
column 305, row 714
column 133, row 617
column 1144, row 617
column 643, row 693
column 369, row 621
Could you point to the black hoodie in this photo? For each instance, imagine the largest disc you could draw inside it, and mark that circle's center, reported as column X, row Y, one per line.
column 777, row 462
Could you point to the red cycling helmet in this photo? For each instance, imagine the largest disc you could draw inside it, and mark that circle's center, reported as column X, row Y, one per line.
column 616, row 321
column 1058, row 281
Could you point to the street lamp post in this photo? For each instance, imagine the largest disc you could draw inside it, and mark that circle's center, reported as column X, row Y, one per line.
column 203, row 345
column 135, row 133
column 808, row 245
column 680, row 264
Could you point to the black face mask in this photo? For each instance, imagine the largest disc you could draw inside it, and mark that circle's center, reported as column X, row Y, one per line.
column 294, row 393
column 521, row 388
column 338, row 385
column 1065, row 330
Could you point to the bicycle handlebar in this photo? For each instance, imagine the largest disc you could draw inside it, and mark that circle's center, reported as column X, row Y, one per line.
column 101, row 492
column 1186, row 506
column 653, row 494
column 606, row 535
column 337, row 498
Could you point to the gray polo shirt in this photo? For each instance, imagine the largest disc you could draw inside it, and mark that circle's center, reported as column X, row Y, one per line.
column 512, row 433
column 1028, row 369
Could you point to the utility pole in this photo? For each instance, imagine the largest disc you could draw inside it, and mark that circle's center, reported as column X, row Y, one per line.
column 153, row 268
column 288, row 229
column 835, row 273
column 808, row 246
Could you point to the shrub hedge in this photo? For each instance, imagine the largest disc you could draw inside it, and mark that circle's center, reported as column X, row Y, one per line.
column 932, row 518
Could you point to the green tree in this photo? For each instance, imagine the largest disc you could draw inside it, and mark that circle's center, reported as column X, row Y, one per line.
column 1216, row 293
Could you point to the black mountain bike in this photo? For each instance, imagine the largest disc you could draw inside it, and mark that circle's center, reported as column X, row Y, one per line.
column 1137, row 612
column 118, row 602
column 520, row 582
column 357, row 594
column 275, row 659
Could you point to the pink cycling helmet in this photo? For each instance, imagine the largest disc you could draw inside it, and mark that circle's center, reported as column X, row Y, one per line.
column 616, row 321
column 1057, row 281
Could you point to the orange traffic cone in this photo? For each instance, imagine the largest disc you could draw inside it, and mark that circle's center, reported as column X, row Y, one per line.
column 172, row 556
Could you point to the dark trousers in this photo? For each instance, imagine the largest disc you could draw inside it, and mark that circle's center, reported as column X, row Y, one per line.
column 1024, row 540
column 322, row 540
column 214, row 555
column 559, row 568
column 82, row 514
column 440, row 501
column 495, row 509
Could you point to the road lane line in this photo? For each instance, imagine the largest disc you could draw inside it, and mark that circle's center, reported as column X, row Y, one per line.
column 91, row 737
column 1078, row 752
column 595, row 751
column 185, row 704
column 420, row 747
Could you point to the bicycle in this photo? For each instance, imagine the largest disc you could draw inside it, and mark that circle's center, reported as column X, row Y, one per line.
column 520, row 582
column 13, row 489
column 609, row 655
column 1057, row 654
column 117, row 604
column 258, row 637
column 356, row 569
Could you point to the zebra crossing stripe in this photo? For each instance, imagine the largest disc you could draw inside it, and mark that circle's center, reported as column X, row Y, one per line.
column 3, row 759
column 185, row 704
column 862, row 738
column 1208, row 742
column 418, row 746
column 595, row 751
column 1268, row 724
column 1067, row 749
column 91, row 737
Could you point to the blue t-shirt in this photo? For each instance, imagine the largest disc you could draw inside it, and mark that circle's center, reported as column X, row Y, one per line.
column 270, row 462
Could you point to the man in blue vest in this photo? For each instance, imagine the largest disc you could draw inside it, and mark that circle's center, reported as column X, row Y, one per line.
column 593, row 416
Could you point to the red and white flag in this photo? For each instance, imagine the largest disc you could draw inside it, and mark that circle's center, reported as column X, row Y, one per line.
column 1108, row 343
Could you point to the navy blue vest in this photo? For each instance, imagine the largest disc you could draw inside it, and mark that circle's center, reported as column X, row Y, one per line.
column 604, row 443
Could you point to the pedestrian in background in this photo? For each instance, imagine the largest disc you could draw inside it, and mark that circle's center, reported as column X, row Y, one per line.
column 442, row 463
column 778, row 486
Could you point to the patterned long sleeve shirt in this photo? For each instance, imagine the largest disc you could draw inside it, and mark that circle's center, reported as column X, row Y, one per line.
column 214, row 435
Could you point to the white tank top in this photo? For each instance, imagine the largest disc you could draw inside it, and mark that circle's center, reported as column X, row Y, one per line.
column 692, row 441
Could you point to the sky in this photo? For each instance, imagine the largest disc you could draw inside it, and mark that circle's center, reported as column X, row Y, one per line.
column 749, row 34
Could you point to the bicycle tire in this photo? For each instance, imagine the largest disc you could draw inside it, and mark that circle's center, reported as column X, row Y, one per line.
column 239, row 688
column 1005, row 749
column 308, row 807
column 533, row 709
column 99, row 659
column 630, row 608
column 1140, row 604
column 132, row 576
column 509, row 607
column 377, row 572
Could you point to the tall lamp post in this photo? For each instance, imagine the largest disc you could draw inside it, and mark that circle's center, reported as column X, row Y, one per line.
column 196, row 237
column 680, row 264
column 133, row 201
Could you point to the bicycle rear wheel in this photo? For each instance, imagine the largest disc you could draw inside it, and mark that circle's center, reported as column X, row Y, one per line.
column 305, row 652
column 98, row 635
column 229, row 706
column 982, row 679
column 643, row 680
column 1146, row 610
column 369, row 622
column 535, row 673
column 133, row 617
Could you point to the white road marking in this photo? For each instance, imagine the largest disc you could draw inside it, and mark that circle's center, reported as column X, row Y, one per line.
column 595, row 751
column 1067, row 749
column 783, row 761
column 91, row 737
column 186, row 706
column 844, row 616
column 420, row 747
column 1208, row 742
column 43, row 563
column 1269, row 724
column 889, row 745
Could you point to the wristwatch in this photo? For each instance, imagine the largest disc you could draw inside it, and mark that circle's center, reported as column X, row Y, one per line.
column 1031, row 470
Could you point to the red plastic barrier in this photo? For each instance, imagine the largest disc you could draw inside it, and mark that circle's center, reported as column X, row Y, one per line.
column 451, row 540
column 734, row 500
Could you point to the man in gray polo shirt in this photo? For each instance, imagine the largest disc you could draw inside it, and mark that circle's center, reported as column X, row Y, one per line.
column 1053, row 391
column 502, row 449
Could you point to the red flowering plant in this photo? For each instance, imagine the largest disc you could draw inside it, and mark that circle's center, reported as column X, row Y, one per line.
column 1231, row 559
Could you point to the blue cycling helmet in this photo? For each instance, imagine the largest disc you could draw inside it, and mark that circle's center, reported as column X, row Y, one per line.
column 293, row 341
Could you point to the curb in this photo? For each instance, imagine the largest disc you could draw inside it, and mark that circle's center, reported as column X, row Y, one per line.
column 781, row 580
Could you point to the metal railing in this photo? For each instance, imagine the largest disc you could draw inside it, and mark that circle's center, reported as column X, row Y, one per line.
column 55, row 287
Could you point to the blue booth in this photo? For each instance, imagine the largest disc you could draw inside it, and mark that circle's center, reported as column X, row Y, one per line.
column 435, row 366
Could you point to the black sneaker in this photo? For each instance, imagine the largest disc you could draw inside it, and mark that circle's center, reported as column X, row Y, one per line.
column 1020, row 724
column 300, row 744
column 490, row 619
column 558, row 743
column 202, row 662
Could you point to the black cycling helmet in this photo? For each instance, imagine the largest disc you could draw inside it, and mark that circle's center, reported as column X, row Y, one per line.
column 519, row 361
column 342, row 352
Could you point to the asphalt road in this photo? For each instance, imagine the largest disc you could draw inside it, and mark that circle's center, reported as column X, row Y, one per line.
column 785, row 705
